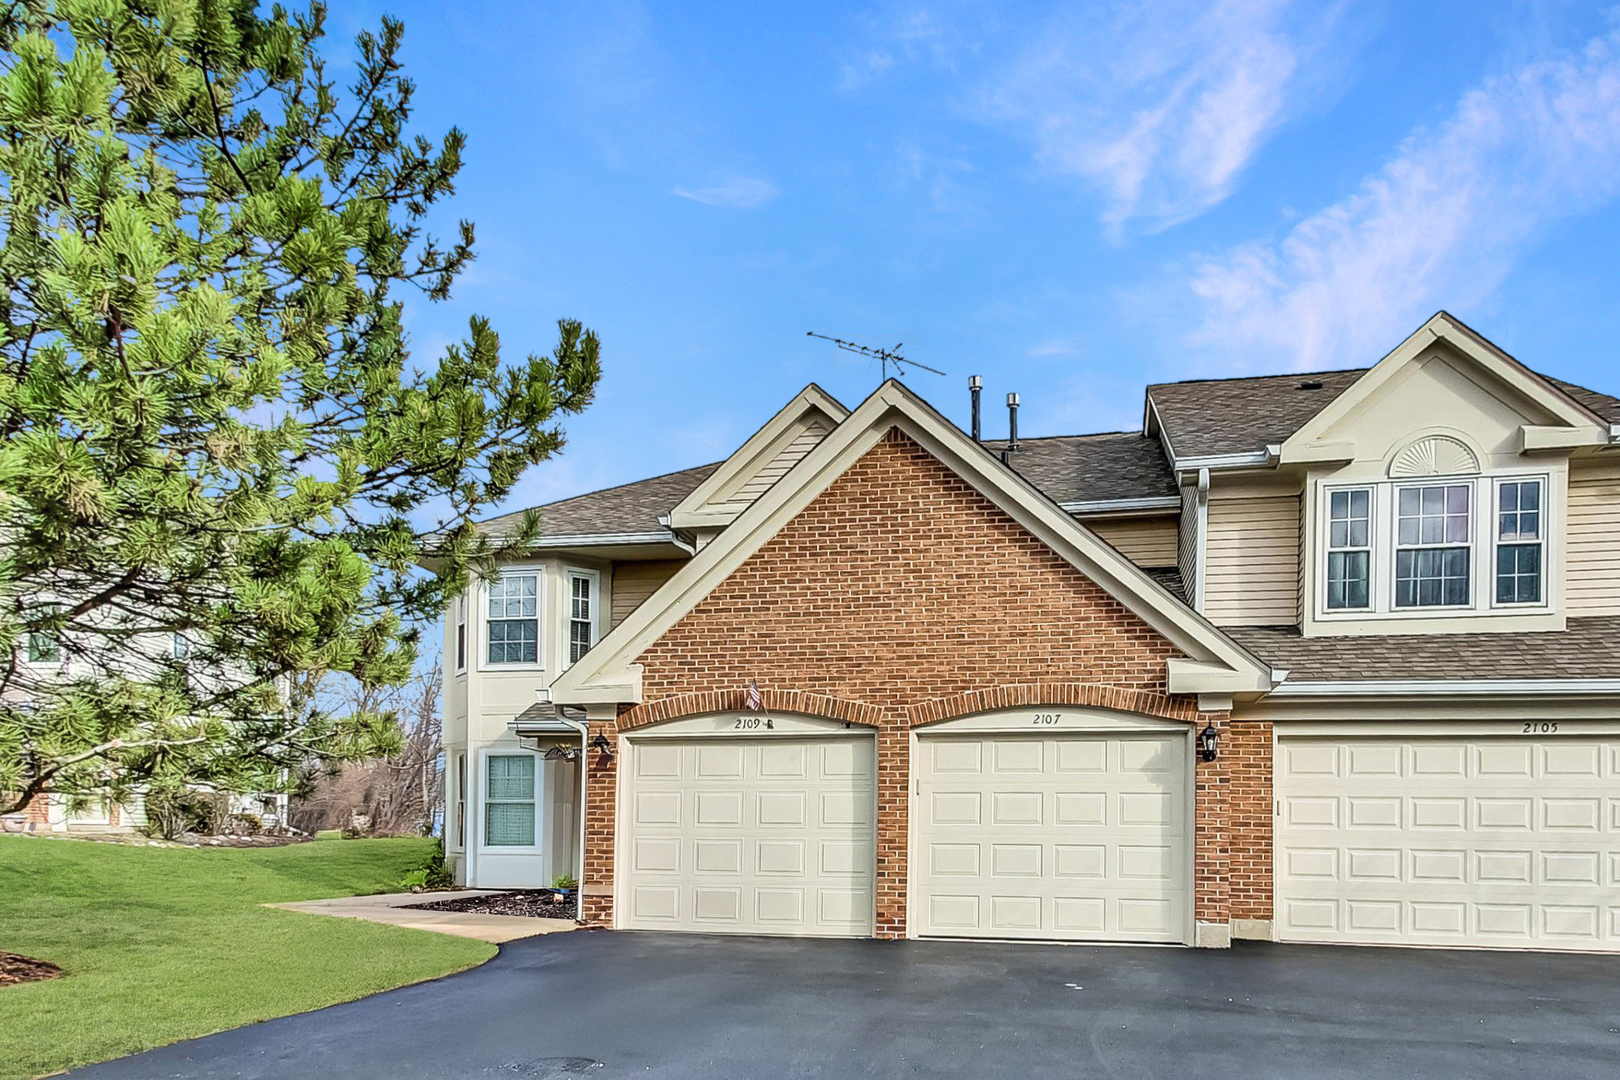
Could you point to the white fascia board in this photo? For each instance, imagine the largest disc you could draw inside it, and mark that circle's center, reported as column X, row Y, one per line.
column 1196, row 677
column 604, row 669
column 1445, row 687
column 1123, row 506
column 759, row 448
column 1316, row 453
column 1256, row 459
column 606, row 539
column 1538, row 437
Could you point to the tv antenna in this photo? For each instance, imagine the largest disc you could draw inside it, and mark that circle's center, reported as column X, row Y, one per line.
column 886, row 357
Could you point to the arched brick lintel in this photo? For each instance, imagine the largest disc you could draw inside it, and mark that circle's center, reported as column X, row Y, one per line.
column 1020, row 695
column 781, row 701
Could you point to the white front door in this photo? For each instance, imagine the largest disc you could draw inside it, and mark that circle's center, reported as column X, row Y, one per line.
column 1509, row 840
column 1075, row 835
column 762, row 832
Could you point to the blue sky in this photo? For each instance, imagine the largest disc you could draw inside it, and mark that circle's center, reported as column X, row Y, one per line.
column 1070, row 200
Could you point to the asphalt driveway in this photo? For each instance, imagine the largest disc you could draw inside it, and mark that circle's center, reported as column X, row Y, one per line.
column 673, row 1006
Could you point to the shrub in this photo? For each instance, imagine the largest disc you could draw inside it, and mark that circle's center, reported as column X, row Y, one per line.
column 434, row 873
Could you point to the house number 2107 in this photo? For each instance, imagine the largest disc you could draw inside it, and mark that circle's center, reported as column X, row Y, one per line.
column 1046, row 719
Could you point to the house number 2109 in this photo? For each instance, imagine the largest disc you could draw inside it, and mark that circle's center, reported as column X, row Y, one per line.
column 750, row 723
column 1047, row 719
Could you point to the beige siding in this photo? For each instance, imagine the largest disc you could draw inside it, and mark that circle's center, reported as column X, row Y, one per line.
column 633, row 582
column 1145, row 541
column 1592, row 571
column 1252, row 552
column 789, row 456
column 1187, row 545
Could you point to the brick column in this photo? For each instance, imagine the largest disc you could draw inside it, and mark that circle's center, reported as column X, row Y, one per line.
column 1249, row 763
column 893, row 824
column 601, row 813
column 1212, row 848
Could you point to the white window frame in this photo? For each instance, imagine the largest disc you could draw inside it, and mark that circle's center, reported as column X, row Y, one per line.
column 1371, row 547
column 459, row 830
column 1482, row 545
column 460, row 641
column 1470, row 544
column 1497, row 483
column 538, row 572
column 179, row 647
column 594, row 579
column 484, row 846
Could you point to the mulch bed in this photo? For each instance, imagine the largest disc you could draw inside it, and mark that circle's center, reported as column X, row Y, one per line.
column 19, row 969
column 528, row 903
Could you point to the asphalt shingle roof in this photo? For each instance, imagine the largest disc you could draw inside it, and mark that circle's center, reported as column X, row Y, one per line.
column 1083, row 468
column 628, row 508
column 1239, row 416
column 1588, row 649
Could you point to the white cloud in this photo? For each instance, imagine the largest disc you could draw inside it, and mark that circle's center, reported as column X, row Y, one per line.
column 1441, row 225
column 1159, row 105
column 734, row 191
column 903, row 36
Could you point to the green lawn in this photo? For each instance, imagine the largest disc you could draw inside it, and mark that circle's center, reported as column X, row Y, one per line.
column 161, row 944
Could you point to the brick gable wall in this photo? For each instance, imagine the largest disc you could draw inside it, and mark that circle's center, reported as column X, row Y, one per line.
column 899, row 586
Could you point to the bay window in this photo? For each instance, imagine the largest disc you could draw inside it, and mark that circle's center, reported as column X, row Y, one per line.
column 581, row 613
column 509, row 799
column 513, row 627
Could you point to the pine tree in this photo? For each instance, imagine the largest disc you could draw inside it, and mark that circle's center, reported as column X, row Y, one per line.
column 219, row 465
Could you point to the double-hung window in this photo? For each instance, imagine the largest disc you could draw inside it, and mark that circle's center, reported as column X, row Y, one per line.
column 514, row 619
column 581, row 614
column 1349, row 561
column 1433, row 545
column 44, row 648
column 461, row 633
column 461, row 801
column 1519, row 517
column 509, row 800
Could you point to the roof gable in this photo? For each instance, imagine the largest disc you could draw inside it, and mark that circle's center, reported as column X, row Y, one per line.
column 1548, row 418
column 765, row 458
column 1214, row 663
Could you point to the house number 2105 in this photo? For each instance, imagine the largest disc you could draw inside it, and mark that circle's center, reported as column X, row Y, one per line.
column 1047, row 719
column 1539, row 727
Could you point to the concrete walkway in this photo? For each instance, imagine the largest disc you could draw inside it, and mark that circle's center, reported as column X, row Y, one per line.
column 395, row 910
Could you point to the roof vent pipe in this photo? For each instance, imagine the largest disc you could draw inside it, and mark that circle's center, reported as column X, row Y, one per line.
column 1012, row 429
column 975, row 385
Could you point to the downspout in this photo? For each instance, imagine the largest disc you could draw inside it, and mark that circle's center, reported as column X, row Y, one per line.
column 584, row 729
column 1199, row 575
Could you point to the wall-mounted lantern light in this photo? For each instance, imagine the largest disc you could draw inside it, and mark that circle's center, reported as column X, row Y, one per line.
column 601, row 743
column 1208, row 742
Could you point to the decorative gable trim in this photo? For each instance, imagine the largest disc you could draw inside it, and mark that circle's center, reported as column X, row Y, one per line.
column 1434, row 455
column 1573, row 424
column 609, row 673
column 766, row 457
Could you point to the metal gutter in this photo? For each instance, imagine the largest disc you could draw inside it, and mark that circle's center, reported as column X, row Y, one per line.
column 607, row 539
column 1119, row 506
column 1442, row 687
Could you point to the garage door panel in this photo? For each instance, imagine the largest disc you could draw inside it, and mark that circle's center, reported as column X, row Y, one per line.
column 1484, row 841
column 764, row 835
column 1092, row 846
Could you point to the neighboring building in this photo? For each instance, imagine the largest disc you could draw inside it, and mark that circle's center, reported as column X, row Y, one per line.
column 40, row 661
column 867, row 677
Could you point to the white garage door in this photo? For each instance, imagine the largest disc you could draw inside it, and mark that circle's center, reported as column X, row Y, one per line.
column 1493, row 841
column 1058, row 837
column 749, row 836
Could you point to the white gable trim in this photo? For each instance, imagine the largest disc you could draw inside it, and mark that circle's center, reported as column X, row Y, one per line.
column 1575, row 426
column 706, row 506
column 1217, row 664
